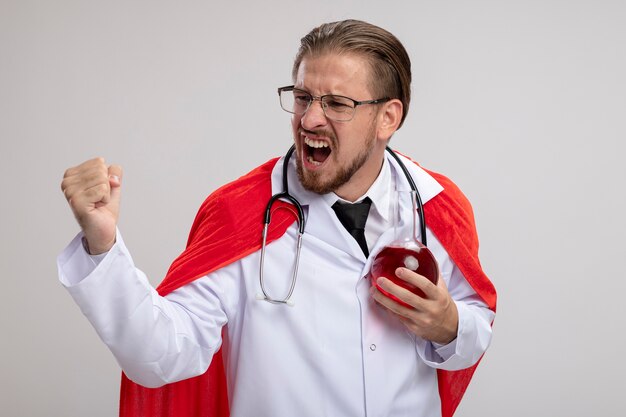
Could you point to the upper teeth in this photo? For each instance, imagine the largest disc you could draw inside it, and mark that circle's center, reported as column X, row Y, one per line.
column 315, row 143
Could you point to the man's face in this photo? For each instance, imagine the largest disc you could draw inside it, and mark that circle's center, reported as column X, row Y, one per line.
column 331, row 155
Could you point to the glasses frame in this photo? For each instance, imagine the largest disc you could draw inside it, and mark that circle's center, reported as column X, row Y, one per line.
column 324, row 105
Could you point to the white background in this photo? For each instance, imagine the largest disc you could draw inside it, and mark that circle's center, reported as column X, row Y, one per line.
column 522, row 103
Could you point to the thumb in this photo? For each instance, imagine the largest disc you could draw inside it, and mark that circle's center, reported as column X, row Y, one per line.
column 115, row 181
column 115, row 176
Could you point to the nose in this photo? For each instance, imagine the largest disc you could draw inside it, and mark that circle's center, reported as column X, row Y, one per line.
column 314, row 116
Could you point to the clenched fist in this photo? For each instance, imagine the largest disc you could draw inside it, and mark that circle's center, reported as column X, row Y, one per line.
column 93, row 191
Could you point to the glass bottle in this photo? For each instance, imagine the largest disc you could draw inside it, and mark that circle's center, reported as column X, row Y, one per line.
column 404, row 251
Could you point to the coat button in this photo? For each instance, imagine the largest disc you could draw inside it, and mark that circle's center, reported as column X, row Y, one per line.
column 372, row 347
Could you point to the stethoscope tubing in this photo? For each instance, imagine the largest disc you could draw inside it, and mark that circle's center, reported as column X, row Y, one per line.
column 284, row 195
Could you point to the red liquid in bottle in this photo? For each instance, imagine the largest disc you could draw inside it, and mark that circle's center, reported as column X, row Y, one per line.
column 417, row 259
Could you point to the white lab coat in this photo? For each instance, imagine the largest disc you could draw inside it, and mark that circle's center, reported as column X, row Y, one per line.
column 335, row 352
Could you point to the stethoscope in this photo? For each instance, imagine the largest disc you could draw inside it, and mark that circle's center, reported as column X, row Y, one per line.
column 284, row 195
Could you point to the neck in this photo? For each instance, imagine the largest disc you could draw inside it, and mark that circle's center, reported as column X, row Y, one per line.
column 363, row 179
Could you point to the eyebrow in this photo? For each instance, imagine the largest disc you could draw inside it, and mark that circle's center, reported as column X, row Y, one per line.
column 320, row 95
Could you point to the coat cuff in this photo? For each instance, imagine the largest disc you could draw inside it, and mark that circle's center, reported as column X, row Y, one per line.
column 471, row 342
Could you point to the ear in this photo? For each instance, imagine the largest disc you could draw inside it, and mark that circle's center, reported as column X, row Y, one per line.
column 390, row 116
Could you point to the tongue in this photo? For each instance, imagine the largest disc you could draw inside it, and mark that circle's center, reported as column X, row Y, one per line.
column 319, row 154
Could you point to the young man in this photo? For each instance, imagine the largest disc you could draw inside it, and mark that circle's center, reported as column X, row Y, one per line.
column 339, row 346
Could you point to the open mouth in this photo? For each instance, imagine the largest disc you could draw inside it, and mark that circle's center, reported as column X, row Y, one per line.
column 316, row 151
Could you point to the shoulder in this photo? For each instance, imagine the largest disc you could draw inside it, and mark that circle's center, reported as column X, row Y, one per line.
column 451, row 195
column 225, row 229
column 450, row 217
column 236, row 200
column 447, row 193
column 451, row 211
column 253, row 182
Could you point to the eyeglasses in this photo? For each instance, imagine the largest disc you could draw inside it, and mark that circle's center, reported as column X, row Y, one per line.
column 338, row 108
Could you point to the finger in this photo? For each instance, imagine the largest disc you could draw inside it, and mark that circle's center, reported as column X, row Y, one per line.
column 95, row 163
column 441, row 283
column 72, row 186
column 389, row 303
column 411, row 299
column 84, row 176
column 86, row 199
column 419, row 281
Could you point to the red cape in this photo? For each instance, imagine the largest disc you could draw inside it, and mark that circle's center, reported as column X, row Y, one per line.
column 224, row 231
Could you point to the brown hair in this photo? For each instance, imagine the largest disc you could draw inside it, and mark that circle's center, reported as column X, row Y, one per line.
column 389, row 61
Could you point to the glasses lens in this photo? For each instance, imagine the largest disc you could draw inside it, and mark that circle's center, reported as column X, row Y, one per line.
column 295, row 101
column 338, row 108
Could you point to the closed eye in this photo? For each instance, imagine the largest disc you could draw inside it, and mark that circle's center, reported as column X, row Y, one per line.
column 302, row 99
